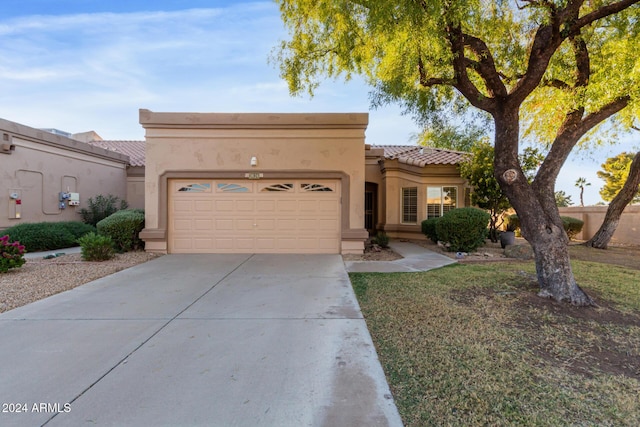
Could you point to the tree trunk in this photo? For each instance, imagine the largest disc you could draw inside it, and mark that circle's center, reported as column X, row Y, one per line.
column 539, row 216
column 554, row 272
column 604, row 234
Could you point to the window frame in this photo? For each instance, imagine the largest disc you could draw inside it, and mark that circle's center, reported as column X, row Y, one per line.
column 413, row 216
column 441, row 206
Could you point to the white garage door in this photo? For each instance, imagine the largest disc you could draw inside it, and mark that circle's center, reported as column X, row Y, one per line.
column 254, row 216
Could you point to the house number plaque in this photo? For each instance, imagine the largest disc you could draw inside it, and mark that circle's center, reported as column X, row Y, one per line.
column 253, row 175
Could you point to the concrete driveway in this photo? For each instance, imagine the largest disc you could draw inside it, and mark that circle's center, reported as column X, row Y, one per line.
column 186, row 340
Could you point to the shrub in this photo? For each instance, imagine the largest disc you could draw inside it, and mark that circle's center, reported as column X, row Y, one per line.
column 429, row 229
column 45, row 236
column 41, row 236
column 77, row 228
column 100, row 208
column 11, row 254
column 513, row 222
column 572, row 226
column 381, row 239
column 463, row 229
column 95, row 247
column 123, row 227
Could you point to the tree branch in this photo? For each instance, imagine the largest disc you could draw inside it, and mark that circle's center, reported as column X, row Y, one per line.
column 568, row 136
column 463, row 83
column 430, row 81
column 486, row 65
column 600, row 13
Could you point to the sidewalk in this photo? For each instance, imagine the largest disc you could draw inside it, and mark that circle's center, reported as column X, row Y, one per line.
column 416, row 258
column 66, row 251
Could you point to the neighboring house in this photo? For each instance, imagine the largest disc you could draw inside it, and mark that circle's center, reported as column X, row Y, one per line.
column 49, row 176
column 135, row 169
column 304, row 183
column 406, row 184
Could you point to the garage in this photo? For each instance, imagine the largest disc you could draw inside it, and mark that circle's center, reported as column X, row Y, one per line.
column 254, row 182
column 254, row 216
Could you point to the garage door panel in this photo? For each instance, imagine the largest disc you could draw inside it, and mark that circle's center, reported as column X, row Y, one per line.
column 224, row 206
column 287, row 206
column 328, row 206
column 203, row 224
column 284, row 219
column 266, row 205
column 183, row 205
column 245, row 206
column 182, row 244
column 182, row 224
column 202, row 244
column 266, row 243
column 224, row 224
column 244, row 224
column 287, row 225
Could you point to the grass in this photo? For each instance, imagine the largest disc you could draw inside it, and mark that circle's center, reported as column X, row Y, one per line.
column 471, row 345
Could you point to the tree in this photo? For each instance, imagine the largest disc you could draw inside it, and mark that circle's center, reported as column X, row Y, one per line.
column 630, row 189
column 562, row 199
column 563, row 66
column 477, row 169
column 581, row 183
column 450, row 137
column 615, row 172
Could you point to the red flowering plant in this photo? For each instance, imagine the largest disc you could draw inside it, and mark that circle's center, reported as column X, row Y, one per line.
column 11, row 254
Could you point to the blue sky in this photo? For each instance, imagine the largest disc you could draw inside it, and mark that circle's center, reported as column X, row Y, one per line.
column 80, row 65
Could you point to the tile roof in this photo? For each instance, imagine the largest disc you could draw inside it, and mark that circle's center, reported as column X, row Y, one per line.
column 133, row 149
column 416, row 155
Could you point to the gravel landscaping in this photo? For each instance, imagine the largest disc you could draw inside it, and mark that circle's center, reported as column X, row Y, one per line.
column 40, row 278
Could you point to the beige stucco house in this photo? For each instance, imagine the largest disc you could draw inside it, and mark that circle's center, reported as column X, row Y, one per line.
column 303, row 183
column 48, row 177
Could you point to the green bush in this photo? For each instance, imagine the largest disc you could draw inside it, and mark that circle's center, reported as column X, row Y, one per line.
column 463, row 229
column 381, row 239
column 100, row 208
column 11, row 254
column 572, row 226
column 124, row 227
column 95, row 247
column 429, row 229
column 45, row 236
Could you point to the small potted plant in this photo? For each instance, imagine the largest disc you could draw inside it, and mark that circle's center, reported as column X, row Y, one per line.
column 508, row 237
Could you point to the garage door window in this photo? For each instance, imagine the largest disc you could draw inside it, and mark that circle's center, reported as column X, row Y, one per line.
column 277, row 187
column 232, row 188
column 315, row 187
column 196, row 188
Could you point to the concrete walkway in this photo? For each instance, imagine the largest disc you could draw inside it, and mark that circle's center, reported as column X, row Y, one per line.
column 416, row 258
column 67, row 251
column 197, row 340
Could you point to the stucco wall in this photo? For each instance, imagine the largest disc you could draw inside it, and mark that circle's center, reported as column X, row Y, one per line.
column 628, row 231
column 180, row 143
column 42, row 165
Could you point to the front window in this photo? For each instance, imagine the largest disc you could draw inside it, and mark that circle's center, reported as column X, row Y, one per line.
column 410, row 205
column 441, row 200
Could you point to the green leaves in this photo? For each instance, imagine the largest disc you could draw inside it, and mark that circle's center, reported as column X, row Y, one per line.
column 615, row 171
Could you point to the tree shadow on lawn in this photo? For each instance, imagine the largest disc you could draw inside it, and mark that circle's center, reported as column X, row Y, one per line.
column 586, row 341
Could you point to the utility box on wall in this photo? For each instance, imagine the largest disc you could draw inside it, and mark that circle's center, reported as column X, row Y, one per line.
column 74, row 199
column 15, row 203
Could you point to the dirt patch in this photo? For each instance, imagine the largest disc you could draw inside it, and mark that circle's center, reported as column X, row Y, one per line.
column 373, row 253
column 584, row 340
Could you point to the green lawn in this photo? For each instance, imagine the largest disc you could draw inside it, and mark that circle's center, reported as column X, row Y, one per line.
column 469, row 345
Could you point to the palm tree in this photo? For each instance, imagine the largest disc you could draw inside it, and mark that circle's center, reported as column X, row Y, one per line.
column 581, row 183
